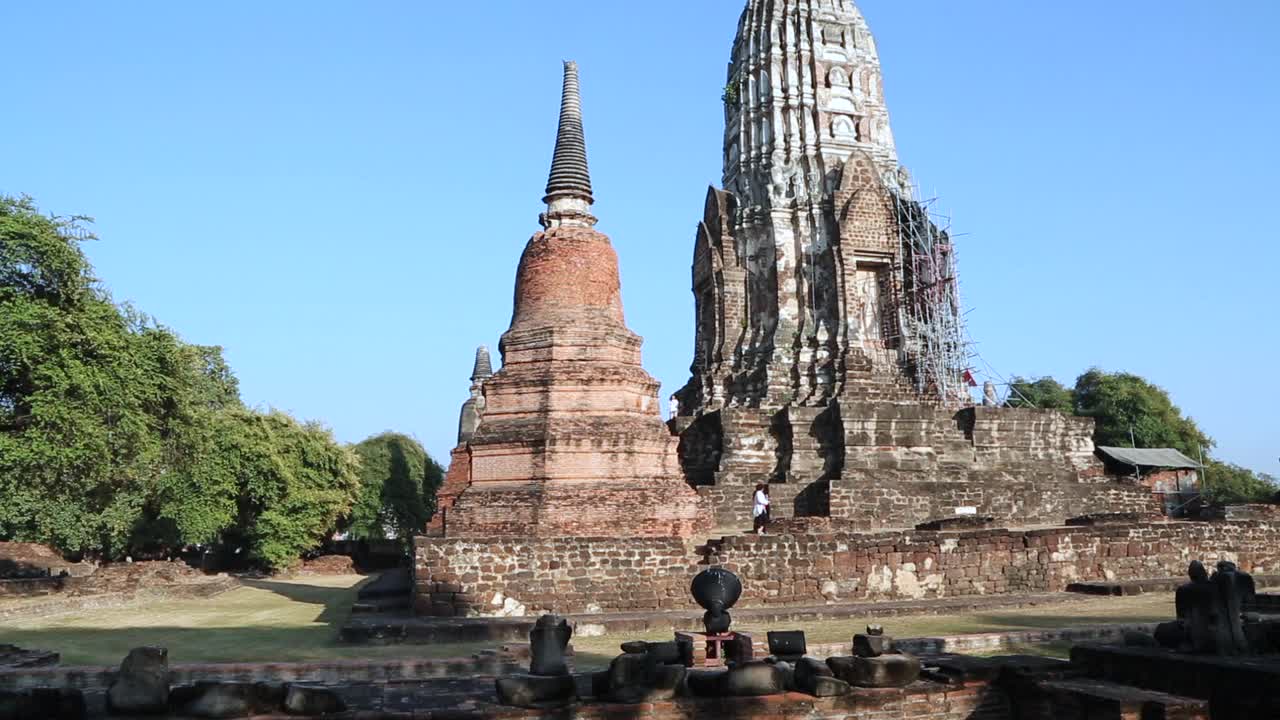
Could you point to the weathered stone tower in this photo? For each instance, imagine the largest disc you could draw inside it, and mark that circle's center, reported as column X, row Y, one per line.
column 572, row 443
column 473, row 408
column 830, row 354
column 458, row 476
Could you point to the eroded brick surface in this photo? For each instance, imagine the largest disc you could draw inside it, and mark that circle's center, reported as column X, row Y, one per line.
column 582, row 575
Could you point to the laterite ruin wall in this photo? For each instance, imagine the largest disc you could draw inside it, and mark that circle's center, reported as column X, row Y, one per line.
column 878, row 466
column 513, row 577
column 117, row 578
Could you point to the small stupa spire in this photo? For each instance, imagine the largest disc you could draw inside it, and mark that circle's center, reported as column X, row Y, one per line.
column 483, row 368
column 569, row 196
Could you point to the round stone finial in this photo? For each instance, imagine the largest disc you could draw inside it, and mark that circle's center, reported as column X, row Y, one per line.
column 483, row 367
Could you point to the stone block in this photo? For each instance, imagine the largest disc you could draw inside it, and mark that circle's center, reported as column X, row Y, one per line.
column 142, row 685
column 787, row 644
column 536, row 691
column 222, row 699
column 302, row 699
column 755, row 679
column 897, row 670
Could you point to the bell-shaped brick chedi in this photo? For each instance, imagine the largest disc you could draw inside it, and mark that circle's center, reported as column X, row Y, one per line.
column 572, row 442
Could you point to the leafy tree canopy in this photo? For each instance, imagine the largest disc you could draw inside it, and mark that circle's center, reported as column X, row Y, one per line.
column 1045, row 393
column 1229, row 483
column 1123, row 402
column 1127, row 411
column 116, row 435
column 398, row 483
column 83, row 412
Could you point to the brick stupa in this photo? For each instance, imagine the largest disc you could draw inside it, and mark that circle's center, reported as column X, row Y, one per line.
column 572, row 443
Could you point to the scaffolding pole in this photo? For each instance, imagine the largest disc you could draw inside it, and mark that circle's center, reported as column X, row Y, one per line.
column 931, row 324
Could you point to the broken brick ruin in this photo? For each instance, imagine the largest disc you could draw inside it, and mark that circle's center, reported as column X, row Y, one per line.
column 830, row 362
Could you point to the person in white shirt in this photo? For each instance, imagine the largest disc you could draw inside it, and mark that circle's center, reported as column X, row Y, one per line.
column 760, row 509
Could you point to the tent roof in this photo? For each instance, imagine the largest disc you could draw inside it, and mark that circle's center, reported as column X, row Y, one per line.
column 1149, row 457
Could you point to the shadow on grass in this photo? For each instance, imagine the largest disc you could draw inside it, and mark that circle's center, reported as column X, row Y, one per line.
column 250, row 643
column 336, row 600
column 1014, row 623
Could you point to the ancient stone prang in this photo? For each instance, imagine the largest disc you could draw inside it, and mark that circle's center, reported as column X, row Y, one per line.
column 458, row 476
column 830, row 357
column 473, row 408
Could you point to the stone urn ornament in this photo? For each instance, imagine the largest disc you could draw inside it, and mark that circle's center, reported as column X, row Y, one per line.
column 716, row 590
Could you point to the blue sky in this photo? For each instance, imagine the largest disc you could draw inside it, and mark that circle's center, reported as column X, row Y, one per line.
column 338, row 193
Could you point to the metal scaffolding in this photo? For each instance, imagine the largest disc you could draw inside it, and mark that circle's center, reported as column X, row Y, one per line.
column 930, row 323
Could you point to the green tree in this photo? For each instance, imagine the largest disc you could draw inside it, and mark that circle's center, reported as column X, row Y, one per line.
column 78, row 433
column 116, row 436
column 263, row 482
column 1121, row 403
column 1229, row 483
column 1044, row 393
column 398, row 482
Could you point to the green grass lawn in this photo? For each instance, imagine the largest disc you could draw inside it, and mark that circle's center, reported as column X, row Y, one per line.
column 298, row 620
column 1156, row 607
column 264, row 621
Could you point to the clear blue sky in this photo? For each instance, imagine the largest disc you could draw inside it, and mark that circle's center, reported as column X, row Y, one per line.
column 338, row 193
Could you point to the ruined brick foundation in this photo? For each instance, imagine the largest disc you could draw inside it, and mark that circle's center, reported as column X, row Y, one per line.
column 876, row 466
column 473, row 577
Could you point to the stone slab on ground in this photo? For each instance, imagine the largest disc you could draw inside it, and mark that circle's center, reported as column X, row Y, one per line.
column 1088, row 698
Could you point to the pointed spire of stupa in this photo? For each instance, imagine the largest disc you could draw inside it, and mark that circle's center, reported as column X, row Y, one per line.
column 483, row 368
column 569, row 196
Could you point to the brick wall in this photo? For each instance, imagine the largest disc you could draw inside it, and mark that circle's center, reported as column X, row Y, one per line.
column 1254, row 511
column 582, row 575
column 477, row 577
column 797, row 569
column 122, row 577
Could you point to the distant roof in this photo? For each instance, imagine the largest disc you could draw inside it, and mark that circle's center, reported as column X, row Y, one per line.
column 1149, row 457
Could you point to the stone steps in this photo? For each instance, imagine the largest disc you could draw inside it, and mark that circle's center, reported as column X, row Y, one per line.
column 389, row 584
column 1242, row 686
column 382, row 605
column 1090, row 699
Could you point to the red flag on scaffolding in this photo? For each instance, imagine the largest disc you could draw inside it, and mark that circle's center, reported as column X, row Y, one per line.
column 968, row 377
